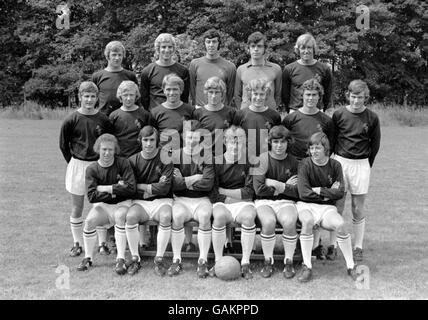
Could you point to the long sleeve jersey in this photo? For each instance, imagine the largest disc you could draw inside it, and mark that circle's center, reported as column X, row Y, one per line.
column 357, row 135
column 79, row 133
column 120, row 170
column 149, row 171
column 280, row 170
column 312, row 176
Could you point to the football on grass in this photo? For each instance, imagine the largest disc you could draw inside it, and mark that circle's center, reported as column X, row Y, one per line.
column 227, row 268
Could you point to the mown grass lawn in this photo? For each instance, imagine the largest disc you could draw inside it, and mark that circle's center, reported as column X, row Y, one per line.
column 35, row 236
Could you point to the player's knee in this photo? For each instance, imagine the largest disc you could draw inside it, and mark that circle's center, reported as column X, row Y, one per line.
column 90, row 223
column 220, row 217
column 178, row 217
column 248, row 220
column 268, row 224
column 165, row 215
column 120, row 216
column 204, row 217
column 307, row 221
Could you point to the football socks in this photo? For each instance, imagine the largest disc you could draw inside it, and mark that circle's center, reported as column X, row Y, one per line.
column 307, row 242
column 133, row 235
column 248, row 235
column 346, row 248
column 289, row 243
column 268, row 244
column 76, row 225
column 359, row 227
column 219, row 240
column 164, row 233
column 204, row 242
column 177, row 239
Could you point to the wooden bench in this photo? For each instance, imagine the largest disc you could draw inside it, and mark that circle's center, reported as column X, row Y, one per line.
column 236, row 244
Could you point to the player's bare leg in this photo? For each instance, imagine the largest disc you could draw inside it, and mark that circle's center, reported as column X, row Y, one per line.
column 267, row 220
column 306, row 242
column 164, row 217
column 76, row 224
column 287, row 217
column 203, row 215
column 246, row 218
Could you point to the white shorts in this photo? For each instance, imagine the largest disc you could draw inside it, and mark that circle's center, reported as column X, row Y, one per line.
column 318, row 210
column 356, row 174
column 152, row 206
column 234, row 208
column 275, row 205
column 110, row 209
column 75, row 176
column 192, row 204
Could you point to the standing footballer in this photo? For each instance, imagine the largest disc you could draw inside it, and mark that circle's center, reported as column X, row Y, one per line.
column 77, row 137
column 357, row 136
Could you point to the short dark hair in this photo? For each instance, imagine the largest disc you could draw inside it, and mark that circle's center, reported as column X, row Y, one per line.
column 256, row 37
column 147, row 131
column 211, row 34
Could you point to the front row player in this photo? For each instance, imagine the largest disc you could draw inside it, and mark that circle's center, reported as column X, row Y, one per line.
column 109, row 183
column 232, row 197
column 153, row 200
column 320, row 184
column 193, row 179
column 275, row 185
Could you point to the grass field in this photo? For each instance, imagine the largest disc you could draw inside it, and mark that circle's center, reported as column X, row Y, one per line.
column 35, row 236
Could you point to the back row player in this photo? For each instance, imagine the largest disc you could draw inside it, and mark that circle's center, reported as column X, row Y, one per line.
column 285, row 89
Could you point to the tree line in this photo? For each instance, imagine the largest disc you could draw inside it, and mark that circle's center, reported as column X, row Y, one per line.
column 45, row 62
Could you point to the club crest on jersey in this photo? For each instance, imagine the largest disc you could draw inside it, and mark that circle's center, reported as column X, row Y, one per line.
column 330, row 180
column 119, row 177
column 138, row 123
column 365, row 128
column 319, row 128
column 98, row 130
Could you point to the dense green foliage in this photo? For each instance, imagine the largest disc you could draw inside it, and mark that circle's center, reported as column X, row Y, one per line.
column 46, row 64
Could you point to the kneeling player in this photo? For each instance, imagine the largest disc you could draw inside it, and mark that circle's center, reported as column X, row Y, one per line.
column 153, row 200
column 192, row 182
column 320, row 184
column 232, row 197
column 275, row 184
column 109, row 182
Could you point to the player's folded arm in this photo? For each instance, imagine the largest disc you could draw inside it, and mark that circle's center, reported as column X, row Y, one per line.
column 207, row 182
column 162, row 188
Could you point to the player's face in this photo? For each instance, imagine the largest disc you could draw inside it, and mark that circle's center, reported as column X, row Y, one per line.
column 235, row 143
column 279, row 146
column 166, row 50
column 258, row 98
column 356, row 101
column 172, row 93
column 149, row 143
column 128, row 98
column 317, row 152
column 310, row 98
column 192, row 138
column 214, row 97
column 211, row 45
column 257, row 50
column 306, row 52
column 106, row 151
column 88, row 100
column 115, row 59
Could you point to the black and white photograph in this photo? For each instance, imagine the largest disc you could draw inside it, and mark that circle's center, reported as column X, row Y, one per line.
column 214, row 155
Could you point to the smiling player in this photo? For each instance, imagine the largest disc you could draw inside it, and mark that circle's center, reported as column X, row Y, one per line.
column 110, row 182
column 152, row 93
